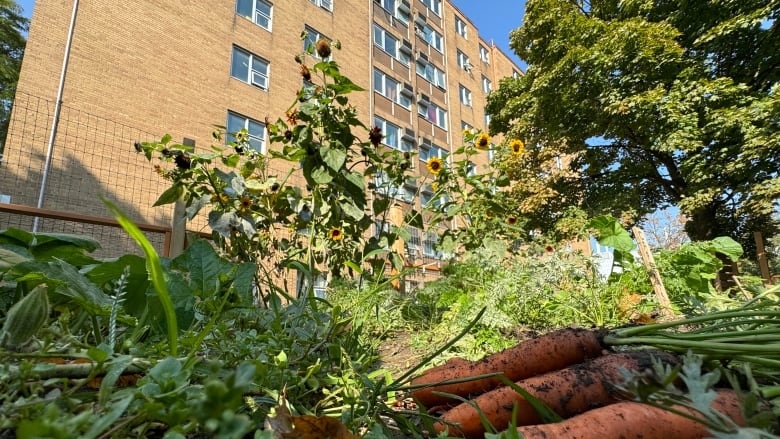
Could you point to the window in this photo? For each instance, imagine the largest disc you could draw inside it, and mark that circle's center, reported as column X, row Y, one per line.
column 430, row 242
column 463, row 61
column 310, row 41
column 249, row 68
column 413, row 244
column 487, row 120
column 433, row 113
column 259, row 11
column 393, row 135
column 404, row 192
column 484, row 55
column 433, row 5
column 389, row 44
column 471, row 169
column 429, row 150
column 392, row 89
column 465, row 126
column 487, row 86
column 324, row 4
column 430, row 36
column 430, row 72
column 515, row 74
column 465, row 96
column 431, row 200
column 460, row 27
column 255, row 130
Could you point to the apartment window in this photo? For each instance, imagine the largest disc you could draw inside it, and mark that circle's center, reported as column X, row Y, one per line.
column 431, row 37
column 463, row 61
column 515, row 74
column 389, row 44
column 393, row 136
column 460, row 27
column 433, row 5
column 429, row 150
column 430, row 72
column 465, row 96
column 249, row 68
column 465, row 126
column 487, row 120
column 433, row 113
column 484, row 55
column 430, row 241
column 324, row 4
column 487, row 86
column 310, row 41
column 259, row 11
column 404, row 192
column 255, row 130
column 392, row 89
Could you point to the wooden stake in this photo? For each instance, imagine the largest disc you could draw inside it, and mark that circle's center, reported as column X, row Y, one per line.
column 655, row 276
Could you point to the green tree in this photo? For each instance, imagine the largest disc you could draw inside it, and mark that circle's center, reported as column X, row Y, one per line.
column 632, row 105
column 13, row 26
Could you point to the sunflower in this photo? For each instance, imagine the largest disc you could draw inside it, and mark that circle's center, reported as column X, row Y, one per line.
column 435, row 186
column 335, row 234
column 517, row 147
column 511, row 220
column 482, row 141
column 435, row 165
column 245, row 203
column 549, row 249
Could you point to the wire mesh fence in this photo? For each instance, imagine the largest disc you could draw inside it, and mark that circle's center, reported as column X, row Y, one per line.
column 68, row 160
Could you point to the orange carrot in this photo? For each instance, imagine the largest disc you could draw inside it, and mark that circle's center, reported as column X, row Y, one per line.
column 549, row 352
column 634, row 420
column 567, row 392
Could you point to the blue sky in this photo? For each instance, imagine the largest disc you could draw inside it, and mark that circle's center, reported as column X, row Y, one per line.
column 494, row 19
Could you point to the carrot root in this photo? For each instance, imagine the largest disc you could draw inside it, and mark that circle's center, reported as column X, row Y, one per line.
column 634, row 420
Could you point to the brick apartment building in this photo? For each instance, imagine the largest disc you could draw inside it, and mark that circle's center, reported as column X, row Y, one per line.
column 138, row 70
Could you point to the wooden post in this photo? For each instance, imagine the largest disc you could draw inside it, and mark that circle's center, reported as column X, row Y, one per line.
column 763, row 264
column 396, row 218
column 655, row 276
column 178, row 229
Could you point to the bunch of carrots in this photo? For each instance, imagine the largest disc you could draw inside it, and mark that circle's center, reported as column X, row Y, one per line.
column 574, row 375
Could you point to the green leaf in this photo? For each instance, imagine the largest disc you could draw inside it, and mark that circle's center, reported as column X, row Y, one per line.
column 612, row 234
column 349, row 208
column 203, row 267
column 380, row 205
column 170, row 195
column 84, row 242
column 11, row 255
column 333, row 157
column 321, row 175
column 155, row 272
column 68, row 282
column 726, row 246
column 231, row 161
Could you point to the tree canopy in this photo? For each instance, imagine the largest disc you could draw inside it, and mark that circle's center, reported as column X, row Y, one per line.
column 13, row 26
column 634, row 105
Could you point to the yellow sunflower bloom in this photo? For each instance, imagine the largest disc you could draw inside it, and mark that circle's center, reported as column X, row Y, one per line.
column 435, row 165
column 245, row 203
column 482, row 141
column 336, row 234
column 517, row 147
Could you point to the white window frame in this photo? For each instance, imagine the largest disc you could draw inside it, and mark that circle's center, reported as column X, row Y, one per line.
column 465, row 96
column 405, row 192
column 433, row 38
column 484, row 54
column 515, row 74
column 433, row 5
column 424, row 108
column 461, row 28
column 324, row 4
column 430, row 241
column 487, row 85
column 465, row 126
column 395, row 141
column 312, row 36
column 384, row 37
column 257, row 13
column 431, row 73
column 427, row 150
column 463, row 61
column 251, row 137
column 254, row 77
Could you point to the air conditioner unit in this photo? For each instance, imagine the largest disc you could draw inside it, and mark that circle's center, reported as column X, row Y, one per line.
column 420, row 20
column 406, row 47
column 404, row 6
column 468, row 66
column 409, row 134
column 423, row 98
column 422, row 57
column 408, row 89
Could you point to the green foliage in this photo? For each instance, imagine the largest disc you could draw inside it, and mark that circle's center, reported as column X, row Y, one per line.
column 13, row 26
column 646, row 105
